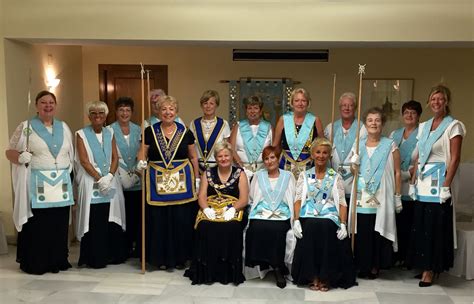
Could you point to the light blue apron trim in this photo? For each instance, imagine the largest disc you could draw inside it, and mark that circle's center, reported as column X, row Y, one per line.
column 297, row 141
column 344, row 144
column 54, row 141
column 39, row 178
column 437, row 175
column 282, row 207
column 253, row 145
column 406, row 148
column 366, row 210
column 102, row 156
column 428, row 138
column 99, row 198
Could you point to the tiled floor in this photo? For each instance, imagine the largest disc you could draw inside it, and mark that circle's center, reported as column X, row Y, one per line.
column 124, row 284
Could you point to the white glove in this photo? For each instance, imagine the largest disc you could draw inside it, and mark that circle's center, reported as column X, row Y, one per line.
column 229, row 214
column 126, row 181
column 24, row 157
column 141, row 165
column 198, row 183
column 135, row 179
column 297, row 230
column 405, row 175
column 210, row 213
column 105, row 183
column 444, row 195
column 342, row 232
column 355, row 160
column 398, row 203
column 412, row 192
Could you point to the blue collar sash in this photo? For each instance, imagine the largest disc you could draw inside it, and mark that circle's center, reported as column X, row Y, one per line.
column 102, row 153
column 275, row 196
column 53, row 140
column 297, row 140
column 372, row 168
column 406, row 147
column 168, row 148
column 153, row 120
column 428, row 138
column 206, row 147
column 128, row 151
column 343, row 143
column 253, row 145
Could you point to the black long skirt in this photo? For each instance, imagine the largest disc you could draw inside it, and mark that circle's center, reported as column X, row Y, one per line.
column 42, row 244
column 105, row 241
column 431, row 245
column 404, row 225
column 169, row 234
column 133, row 208
column 217, row 253
column 265, row 244
column 371, row 250
column 320, row 254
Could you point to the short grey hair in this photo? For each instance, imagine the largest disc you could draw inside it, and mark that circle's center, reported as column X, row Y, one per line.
column 349, row 95
column 99, row 105
column 222, row 145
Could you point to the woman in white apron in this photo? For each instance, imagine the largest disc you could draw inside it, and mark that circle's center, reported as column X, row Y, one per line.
column 42, row 155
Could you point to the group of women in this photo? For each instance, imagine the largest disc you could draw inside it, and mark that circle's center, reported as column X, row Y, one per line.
column 268, row 200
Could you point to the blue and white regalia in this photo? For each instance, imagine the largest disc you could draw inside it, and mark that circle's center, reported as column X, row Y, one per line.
column 43, row 195
column 376, row 233
column 249, row 144
column 319, row 253
column 296, row 143
column 100, row 217
column 434, row 224
column 207, row 134
column 342, row 150
column 269, row 241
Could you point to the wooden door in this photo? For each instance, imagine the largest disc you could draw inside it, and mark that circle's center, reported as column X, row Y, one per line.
column 117, row 80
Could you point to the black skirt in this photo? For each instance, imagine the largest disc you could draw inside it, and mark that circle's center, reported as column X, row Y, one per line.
column 133, row 208
column 404, row 225
column 42, row 244
column 371, row 250
column 320, row 254
column 169, row 234
column 105, row 241
column 217, row 253
column 265, row 244
column 431, row 244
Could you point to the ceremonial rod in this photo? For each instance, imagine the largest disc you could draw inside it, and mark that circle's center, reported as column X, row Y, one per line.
column 333, row 107
column 142, row 72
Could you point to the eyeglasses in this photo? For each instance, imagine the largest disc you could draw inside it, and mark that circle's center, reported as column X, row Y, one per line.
column 93, row 113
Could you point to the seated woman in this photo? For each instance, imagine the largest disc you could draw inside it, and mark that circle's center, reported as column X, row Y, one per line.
column 322, row 255
column 223, row 195
column 272, row 196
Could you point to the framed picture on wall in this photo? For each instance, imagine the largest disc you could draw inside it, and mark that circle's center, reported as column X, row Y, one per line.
column 389, row 94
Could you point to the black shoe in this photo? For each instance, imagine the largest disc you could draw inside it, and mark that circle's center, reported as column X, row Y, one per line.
column 372, row 276
column 425, row 284
column 280, row 280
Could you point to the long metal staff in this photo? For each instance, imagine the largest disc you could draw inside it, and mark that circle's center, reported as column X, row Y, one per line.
column 333, row 108
column 28, row 113
column 356, row 169
column 142, row 72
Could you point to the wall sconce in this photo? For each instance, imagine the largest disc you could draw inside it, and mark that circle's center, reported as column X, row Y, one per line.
column 396, row 86
column 51, row 81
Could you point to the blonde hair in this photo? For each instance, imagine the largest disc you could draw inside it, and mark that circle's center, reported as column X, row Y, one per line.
column 222, row 145
column 321, row 141
column 302, row 91
column 208, row 95
column 440, row 88
column 167, row 99
column 99, row 105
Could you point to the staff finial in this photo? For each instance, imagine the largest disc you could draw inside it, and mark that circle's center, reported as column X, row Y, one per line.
column 362, row 69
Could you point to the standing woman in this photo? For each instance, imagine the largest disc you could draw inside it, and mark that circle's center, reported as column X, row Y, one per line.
column 101, row 212
column 250, row 136
column 218, row 244
column 42, row 155
column 295, row 132
column 155, row 95
column 171, row 192
column 272, row 195
column 127, row 136
column 405, row 139
column 208, row 130
column 322, row 255
column 439, row 145
column 378, row 197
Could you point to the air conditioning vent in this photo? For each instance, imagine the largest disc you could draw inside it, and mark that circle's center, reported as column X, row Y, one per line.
column 280, row 55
